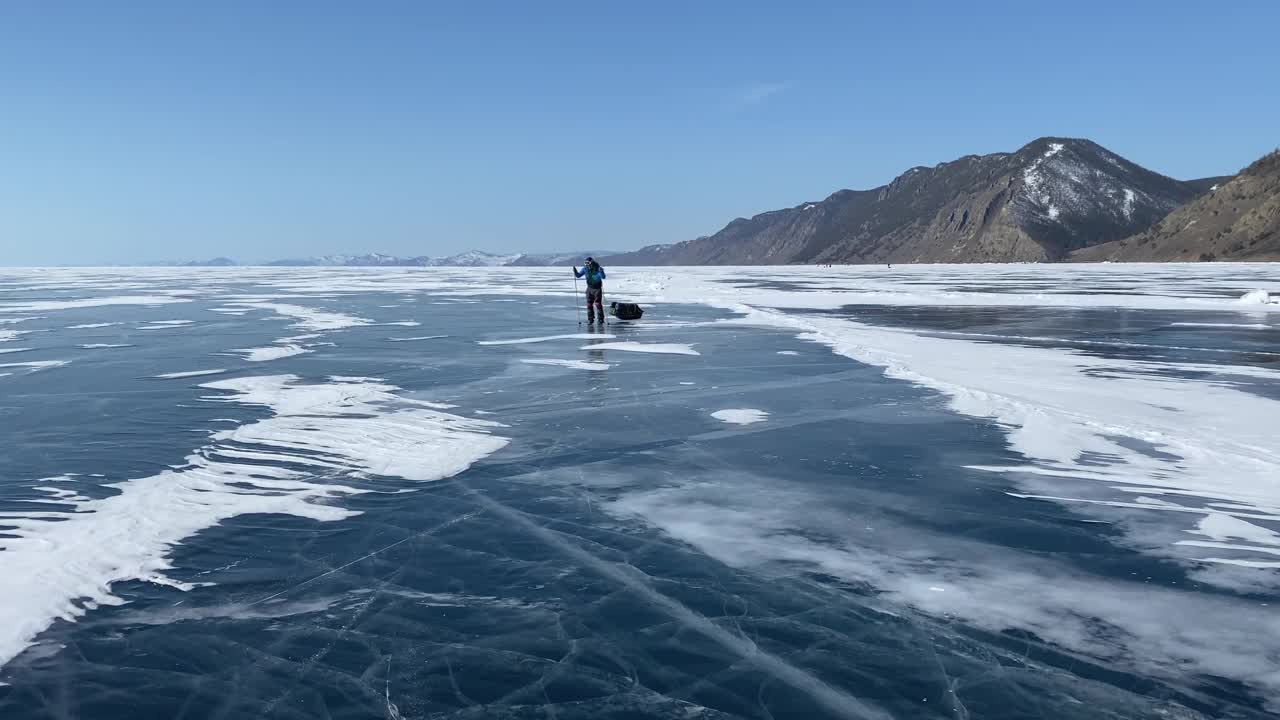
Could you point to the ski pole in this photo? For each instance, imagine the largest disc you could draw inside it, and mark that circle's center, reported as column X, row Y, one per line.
column 575, row 296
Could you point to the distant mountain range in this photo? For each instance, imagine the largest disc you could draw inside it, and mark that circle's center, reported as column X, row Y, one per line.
column 473, row 258
column 1054, row 199
column 1040, row 203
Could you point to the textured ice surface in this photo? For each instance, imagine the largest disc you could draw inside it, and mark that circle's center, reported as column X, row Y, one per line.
column 982, row 491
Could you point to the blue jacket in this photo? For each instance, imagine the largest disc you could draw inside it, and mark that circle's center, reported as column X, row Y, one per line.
column 595, row 278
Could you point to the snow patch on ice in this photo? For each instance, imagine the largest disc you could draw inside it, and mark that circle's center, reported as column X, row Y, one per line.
column 779, row 529
column 1245, row 326
column 362, row 430
column 1059, row 408
column 1255, row 564
column 740, row 416
column 51, row 305
column 788, row 352
column 272, row 352
column 412, row 339
column 311, row 318
column 662, row 348
column 164, row 324
column 188, row 374
column 91, row 326
column 36, row 365
column 59, row 494
column 1168, row 286
column 1221, row 526
column 575, row 364
column 97, row 346
column 1256, row 297
column 547, row 338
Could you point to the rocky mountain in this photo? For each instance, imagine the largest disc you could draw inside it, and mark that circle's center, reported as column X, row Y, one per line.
column 1051, row 197
column 1237, row 220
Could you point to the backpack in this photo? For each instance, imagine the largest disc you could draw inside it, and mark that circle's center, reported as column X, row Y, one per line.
column 625, row 311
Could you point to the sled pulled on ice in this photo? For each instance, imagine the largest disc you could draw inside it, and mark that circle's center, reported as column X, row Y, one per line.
column 625, row 310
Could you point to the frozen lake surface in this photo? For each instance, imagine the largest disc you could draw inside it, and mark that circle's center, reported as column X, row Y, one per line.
column 953, row 492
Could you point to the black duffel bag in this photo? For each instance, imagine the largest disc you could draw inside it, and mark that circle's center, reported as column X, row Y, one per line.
column 625, row 311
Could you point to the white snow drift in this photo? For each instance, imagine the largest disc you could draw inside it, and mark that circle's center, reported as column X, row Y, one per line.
column 357, row 429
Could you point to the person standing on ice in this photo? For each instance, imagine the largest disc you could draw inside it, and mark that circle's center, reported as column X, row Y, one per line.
column 594, row 274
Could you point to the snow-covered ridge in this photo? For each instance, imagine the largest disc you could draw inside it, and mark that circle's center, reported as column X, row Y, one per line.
column 476, row 258
column 1066, row 182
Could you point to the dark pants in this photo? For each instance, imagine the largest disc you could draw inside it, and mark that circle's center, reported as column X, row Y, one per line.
column 595, row 303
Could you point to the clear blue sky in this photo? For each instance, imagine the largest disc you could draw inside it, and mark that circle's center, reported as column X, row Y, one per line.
column 137, row 130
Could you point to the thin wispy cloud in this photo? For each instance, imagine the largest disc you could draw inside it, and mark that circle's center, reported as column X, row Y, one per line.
column 753, row 95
